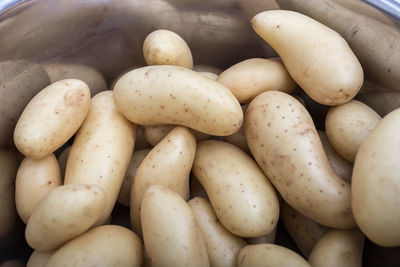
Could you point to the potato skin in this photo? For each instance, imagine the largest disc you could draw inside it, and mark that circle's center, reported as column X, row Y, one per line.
column 322, row 64
column 283, row 140
column 170, row 232
column 108, row 245
column 154, row 134
column 242, row 196
column 376, row 184
column 174, row 95
column 51, row 118
column 39, row 259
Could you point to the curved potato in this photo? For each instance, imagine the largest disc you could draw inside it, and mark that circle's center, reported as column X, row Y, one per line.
column 102, row 150
column 108, row 245
column 282, row 138
column 242, row 196
column 64, row 213
column 51, row 118
column 39, row 259
column 35, row 179
column 348, row 125
column 338, row 248
column 312, row 61
column 164, row 47
column 170, row 232
column 222, row 246
column 154, row 134
column 174, row 95
column 168, row 164
column 376, row 184
column 250, row 77
column 269, row 255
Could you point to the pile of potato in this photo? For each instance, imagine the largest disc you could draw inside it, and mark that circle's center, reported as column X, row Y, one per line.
column 208, row 162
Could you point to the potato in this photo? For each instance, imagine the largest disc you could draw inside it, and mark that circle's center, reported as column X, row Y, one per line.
column 222, row 246
column 124, row 195
column 108, row 245
column 59, row 71
column 35, row 179
column 238, row 139
column 382, row 102
column 251, row 77
column 164, row 47
column 338, row 248
column 348, row 125
column 171, row 234
column 244, row 200
column 64, row 213
column 51, row 118
column 19, row 82
column 322, row 64
column 39, row 259
column 304, row 231
column 154, row 134
column 375, row 44
column 376, row 184
column 168, row 164
column 174, row 95
column 8, row 213
column 269, row 255
column 342, row 167
column 266, row 239
column 102, row 150
column 283, row 140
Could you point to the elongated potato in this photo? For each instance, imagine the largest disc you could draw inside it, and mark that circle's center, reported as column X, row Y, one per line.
column 164, row 47
column 154, row 134
column 242, row 196
column 251, row 77
column 174, row 95
column 39, row 259
column 283, row 140
column 338, row 248
column 222, row 246
column 35, row 179
column 102, row 150
column 168, row 164
column 348, row 125
column 51, row 118
column 108, row 245
column 376, row 184
column 322, row 64
column 8, row 213
column 64, row 213
column 269, row 255
column 171, row 234
column 304, row 231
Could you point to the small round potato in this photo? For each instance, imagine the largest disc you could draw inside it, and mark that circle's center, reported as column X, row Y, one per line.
column 164, row 47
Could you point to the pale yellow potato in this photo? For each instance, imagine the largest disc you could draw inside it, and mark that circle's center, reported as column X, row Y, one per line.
column 62, row 160
column 269, row 255
column 102, row 150
column 164, row 47
column 170, row 232
column 342, row 248
column 65, row 212
column 108, row 245
column 342, row 167
column 317, row 57
column 51, row 118
column 238, row 139
column 244, row 200
column 222, row 246
column 35, row 179
column 283, row 140
column 8, row 213
column 168, row 164
column 39, row 259
column 174, row 95
column 250, row 77
column 266, row 239
column 209, row 75
column 124, row 195
column 59, row 71
column 13, row 263
column 304, row 231
column 154, row 134
column 348, row 125
column 376, row 184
